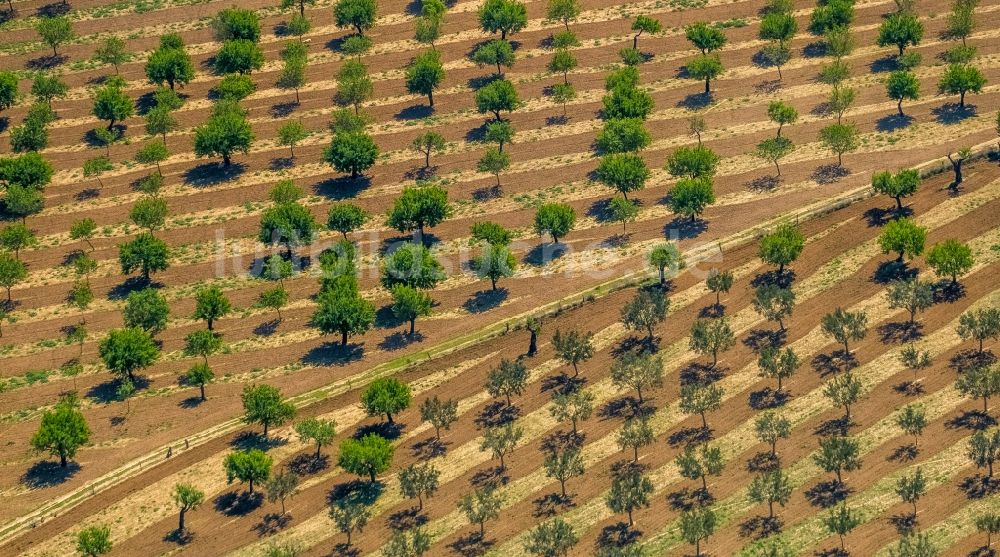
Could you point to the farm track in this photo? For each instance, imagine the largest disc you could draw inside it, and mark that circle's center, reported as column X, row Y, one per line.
column 551, row 163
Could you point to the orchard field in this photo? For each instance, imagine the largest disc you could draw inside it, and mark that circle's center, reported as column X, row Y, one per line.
column 560, row 277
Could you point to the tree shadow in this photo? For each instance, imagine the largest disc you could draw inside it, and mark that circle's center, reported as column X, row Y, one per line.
column 362, row 492
column 333, row 354
column 6, row 15
column 618, row 534
column 145, row 102
column 46, row 473
column 492, row 476
column 833, row 427
column 900, row 332
column 107, row 391
column 471, row 545
column 690, row 436
column 84, row 194
column 696, row 101
column 884, row 64
column 829, row 173
column 486, row 193
column 904, row 453
column 130, row 285
column 947, row 292
column 557, row 120
column 385, row 430
column 952, row 113
column 686, row 499
column 681, row 228
column 178, row 537
column 759, row 339
column 633, row 343
column 763, row 461
column 421, row 173
column 46, row 62
column 497, row 413
column 406, row 519
column 343, row 187
column 970, row 359
column 815, row 49
column 283, row 109
column 190, row 402
column 909, row 388
column 904, row 523
column 832, row 552
column 281, row 163
column 768, row 398
column 979, row 486
column 697, row 373
column 545, row 253
column 562, row 383
column 783, row 279
column 982, row 551
column 880, row 216
column 759, row 527
column 827, row 494
column 972, row 420
column 246, row 440
column 763, row 184
column 624, row 407
column 485, row 300
column 429, row 448
column 307, row 464
column 893, row 122
column 552, row 504
column 267, row 328
column 414, row 112
column 344, row 549
column 560, row 440
column 212, row 174
column 237, row 503
column 892, row 270
column 400, row 340
column 272, row 523
column 768, row 86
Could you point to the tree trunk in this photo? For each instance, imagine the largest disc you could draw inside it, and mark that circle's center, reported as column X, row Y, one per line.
column 318, row 449
column 62, row 460
column 413, row 324
column 562, row 484
column 704, row 422
column 210, row 323
column 388, row 417
column 635, row 41
column 203, row 391
column 899, row 107
column 494, row 281
column 961, row 99
column 251, row 486
column 708, row 86
column 427, row 158
column 226, row 159
column 343, row 338
column 180, row 522
column 663, row 278
column 430, row 98
column 639, row 390
column 533, row 344
column 265, row 429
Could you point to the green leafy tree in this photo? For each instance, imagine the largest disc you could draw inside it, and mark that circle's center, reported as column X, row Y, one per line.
column 126, row 351
column 187, row 498
column 844, row 326
column 8, row 90
column 843, row 391
column 627, row 102
column 160, row 121
column 425, row 74
column 840, row 138
column 496, row 97
column 573, row 407
column 960, row 79
column 773, row 149
column 12, row 271
column 199, row 374
column 146, row 309
column 902, row 85
column 622, row 135
column 481, row 505
column 638, row 371
column 507, row 379
column 554, row 219
column 698, row 399
column 624, row 172
column 980, row 382
column 368, row 456
column 149, row 213
column 842, row 521
column 94, row 541
column 251, row 466
column 111, row 103
column 770, row 487
column 644, row 24
column 227, row 131
column 349, row 515
column 236, row 23
column 777, row 364
column 62, row 431
column 782, row 247
column 712, row 336
column 352, row 152
column 494, row 162
column 979, row 325
column 990, row 524
column 359, row 15
column 46, row 87
column 211, row 304
column 145, row 253
column 23, row 202
column 573, row 348
column 235, row 87
column 774, row 303
column 950, row 258
column 900, row 30
column 497, row 52
column 503, row 16
column 697, row 525
column 240, row 56
column 172, row 66
column 281, row 486
column 318, row 431
column 644, row 311
column 343, row 310
column 770, row 427
column 264, row 405
column 903, row 183
column 17, row 237
column 346, row 217
column 440, row 414
column 496, row 261
column 553, row 538
column 202, row 343
column 690, row 196
column 834, row 14
column 55, row 31
column 667, row 259
column 427, row 143
column 705, row 67
column 290, row 224
column 387, row 396
column 705, row 37
column 838, row 454
column 563, row 465
column 692, row 162
column 412, row 265
column 562, row 62
column 630, row 490
column 634, row 434
column 904, row 237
